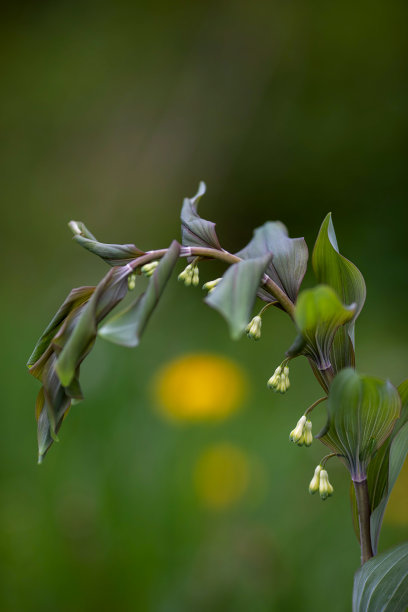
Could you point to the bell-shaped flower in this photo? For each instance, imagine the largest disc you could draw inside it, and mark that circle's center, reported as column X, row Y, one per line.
column 296, row 435
column 325, row 488
column 315, row 482
column 253, row 329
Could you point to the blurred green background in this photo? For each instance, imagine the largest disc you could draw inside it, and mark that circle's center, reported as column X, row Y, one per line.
column 111, row 112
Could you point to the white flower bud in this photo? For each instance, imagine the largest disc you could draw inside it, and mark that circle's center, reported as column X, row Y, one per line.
column 315, row 482
column 297, row 433
column 253, row 329
column 211, row 285
column 325, row 488
column 131, row 281
column 149, row 268
column 307, row 434
column 196, row 277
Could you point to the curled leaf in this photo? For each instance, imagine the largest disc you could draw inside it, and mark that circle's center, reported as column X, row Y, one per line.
column 289, row 257
column 318, row 315
column 110, row 291
column 332, row 269
column 127, row 326
column 113, row 254
column 235, row 294
column 196, row 231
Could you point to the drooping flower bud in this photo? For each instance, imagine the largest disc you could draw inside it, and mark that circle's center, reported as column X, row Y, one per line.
column 296, row 435
column 149, row 268
column 279, row 381
column 315, row 482
column 189, row 276
column 211, row 285
column 131, row 281
column 196, row 277
column 253, row 329
column 307, row 433
column 325, row 488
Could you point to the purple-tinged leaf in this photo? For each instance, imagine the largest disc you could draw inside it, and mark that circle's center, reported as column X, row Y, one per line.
column 126, row 327
column 196, row 231
column 113, row 254
column 235, row 294
column 110, row 291
column 75, row 298
column 289, row 262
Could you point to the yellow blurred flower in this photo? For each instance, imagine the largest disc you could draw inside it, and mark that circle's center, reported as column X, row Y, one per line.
column 200, row 387
column 222, row 476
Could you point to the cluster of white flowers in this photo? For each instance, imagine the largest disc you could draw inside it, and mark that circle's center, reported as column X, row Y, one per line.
column 190, row 275
column 302, row 434
column 320, row 482
column 279, row 381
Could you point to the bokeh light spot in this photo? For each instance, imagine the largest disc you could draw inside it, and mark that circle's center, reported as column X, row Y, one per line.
column 222, row 476
column 200, row 387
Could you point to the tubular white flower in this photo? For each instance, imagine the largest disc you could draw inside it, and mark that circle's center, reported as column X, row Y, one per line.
column 307, row 433
column 296, row 434
column 253, row 329
column 325, row 488
column 315, row 482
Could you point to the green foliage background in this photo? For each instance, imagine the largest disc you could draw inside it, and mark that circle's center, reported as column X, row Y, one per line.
column 111, row 113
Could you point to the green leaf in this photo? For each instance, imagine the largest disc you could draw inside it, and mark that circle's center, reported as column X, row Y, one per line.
column 75, row 298
column 318, row 315
column 127, row 326
column 235, row 294
column 196, row 231
column 113, row 254
column 382, row 583
column 385, row 469
column 361, row 414
column 110, row 291
column 344, row 277
column 289, row 261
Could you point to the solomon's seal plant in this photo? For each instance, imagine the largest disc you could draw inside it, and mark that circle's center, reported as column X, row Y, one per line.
column 367, row 418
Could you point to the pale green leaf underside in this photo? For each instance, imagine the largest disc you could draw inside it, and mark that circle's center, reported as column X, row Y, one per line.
column 126, row 327
column 235, row 295
column 381, row 585
column 289, row 262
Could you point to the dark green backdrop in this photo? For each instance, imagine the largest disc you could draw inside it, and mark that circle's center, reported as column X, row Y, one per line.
column 110, row 113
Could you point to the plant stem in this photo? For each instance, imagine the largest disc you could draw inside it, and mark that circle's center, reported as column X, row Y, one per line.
column 193, row 251
column 363, row 507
